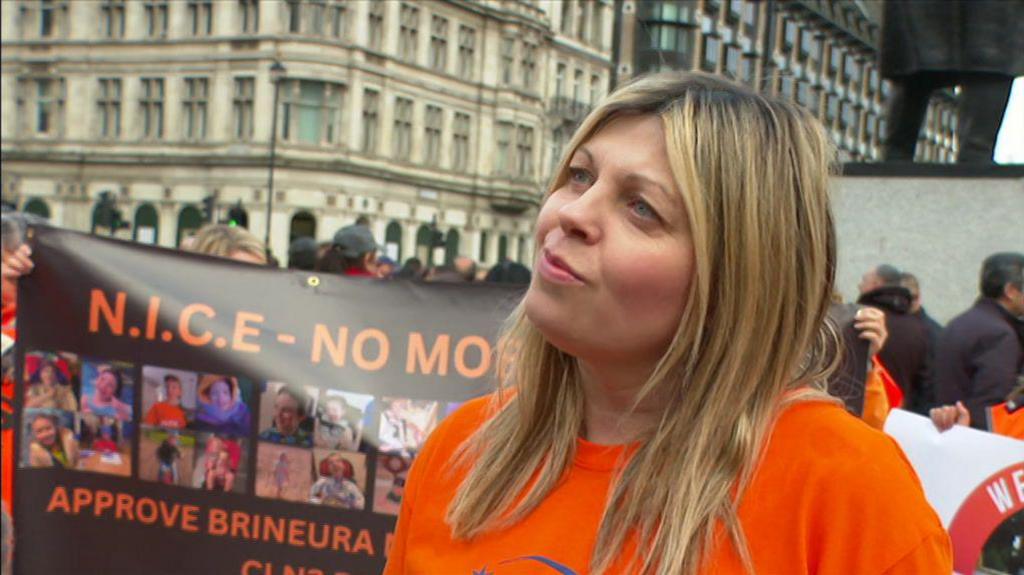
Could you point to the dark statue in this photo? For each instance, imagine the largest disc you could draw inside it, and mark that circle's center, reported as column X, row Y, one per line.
column 929, row 44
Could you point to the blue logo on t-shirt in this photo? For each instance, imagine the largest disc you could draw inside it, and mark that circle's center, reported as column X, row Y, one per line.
column 554, row 565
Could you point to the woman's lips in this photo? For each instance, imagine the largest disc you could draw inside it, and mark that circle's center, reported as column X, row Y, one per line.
column 555, row 269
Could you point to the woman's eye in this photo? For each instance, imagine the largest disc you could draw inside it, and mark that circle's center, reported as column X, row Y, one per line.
column 580, row 176
column 643, row 209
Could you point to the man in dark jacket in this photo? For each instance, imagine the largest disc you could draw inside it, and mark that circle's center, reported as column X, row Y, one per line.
column 981, row 352
column 905, row 354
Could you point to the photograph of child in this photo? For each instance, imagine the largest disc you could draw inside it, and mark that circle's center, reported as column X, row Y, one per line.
column 405, row 424
column 51, row 380
column 105, row 445
column 220, row 463
column 339, row 419
column 286, row 414
column 168, row 397
column 389, row 485
column 341, row 479
column 223, row 405
column 166, row 456
column 107, row 389
column 48, row 439
column 283, row 472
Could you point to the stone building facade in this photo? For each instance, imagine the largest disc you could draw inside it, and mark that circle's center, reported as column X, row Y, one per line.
column 425, row 117
column 821, row 53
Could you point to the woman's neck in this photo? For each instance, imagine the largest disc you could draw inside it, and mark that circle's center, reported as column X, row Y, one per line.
column 609, row 394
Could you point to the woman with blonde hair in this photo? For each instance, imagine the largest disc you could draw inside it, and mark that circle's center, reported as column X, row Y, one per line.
column 664, row 407
column 228, row 242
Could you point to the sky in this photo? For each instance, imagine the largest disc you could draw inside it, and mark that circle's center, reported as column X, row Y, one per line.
column 1010, row 142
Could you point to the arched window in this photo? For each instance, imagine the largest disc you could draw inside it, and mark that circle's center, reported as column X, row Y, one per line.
column 147, row 225
column 502, row 248
column 451, row 246
column 303, row 226
column 393, row 241
column 37, row 206
column 190, row 219
column 424, row 237
column 523, row 256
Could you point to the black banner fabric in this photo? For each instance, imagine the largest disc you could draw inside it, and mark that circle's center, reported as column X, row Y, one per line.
column 187, row 414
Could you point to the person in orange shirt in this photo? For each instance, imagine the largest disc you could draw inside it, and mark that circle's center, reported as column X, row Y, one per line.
column 168, row 413
column 1005, row 418
column 662, row 405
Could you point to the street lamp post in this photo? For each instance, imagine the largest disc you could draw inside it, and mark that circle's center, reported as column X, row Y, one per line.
column 277, row 72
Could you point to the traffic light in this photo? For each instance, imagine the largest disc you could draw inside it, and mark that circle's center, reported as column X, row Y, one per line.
column 209, row 208
column 237, row 216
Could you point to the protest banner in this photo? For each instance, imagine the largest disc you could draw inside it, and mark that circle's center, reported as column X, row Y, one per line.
column 178, row 413
column 975, row 482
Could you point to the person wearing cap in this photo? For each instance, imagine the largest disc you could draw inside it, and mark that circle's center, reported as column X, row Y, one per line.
column 302, row 254
column 357, row 250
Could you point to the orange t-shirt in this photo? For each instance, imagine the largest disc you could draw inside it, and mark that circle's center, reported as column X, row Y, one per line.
column 165, row 415
column 831, row 496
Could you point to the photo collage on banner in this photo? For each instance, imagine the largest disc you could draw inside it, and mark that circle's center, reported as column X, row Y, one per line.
column 317, row 446
column 78, row 413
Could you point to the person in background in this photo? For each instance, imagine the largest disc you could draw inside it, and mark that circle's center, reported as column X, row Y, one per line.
column 909, row 281
column 168, row 413
column 336, row 485
column 229, row 242
column 461, row 270
column 1005, row 418
column 104, row 401
column 291, row 409
column 168, row 454
column 905, row 355
column 221, row 407
column 981, row 351
column 302, row 254
column 385, row 267
column 509, row 272
column 412, row 269
column 353, row 254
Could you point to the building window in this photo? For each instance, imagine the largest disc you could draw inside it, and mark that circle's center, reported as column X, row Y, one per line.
column 112, row 19
column 401, row 144
column 566, row 21
column 670, row 38
column 749, row 75
column 712, row 47
column 409, row 32
column 316, row 12
column 851, row 73
column 560, row 71
column 49, row 105
column 786, row 86
column 156, row 18
column 810, row 49
column 194, row 104
column 803, row 93
column 370, row 105
column 557, row 146
column 249, row 16
column 597, row 25
column 375, row 21
column 243, row 108
column 438, row 42
column 835, row 62
column 528, row 64
column 433, row 121
column 711, row 8
column 732, row 61
column 524, row 152
column 734, row 10
column 831, row 109
column 337, row 17
column 460, row 141
column 467, row 52
column 46, row 19
column 751, row 15
column 595, row 89
column 789, row 35
column 581, row 19
column 577, row 86
column 200, row 17
column 502, row 160
column 151, row 108
column 312, row 111
column 508, row 60
column 108, row 105
column 294, row 15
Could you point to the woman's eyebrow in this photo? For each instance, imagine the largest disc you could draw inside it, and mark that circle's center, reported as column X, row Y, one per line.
column 641, row 179
column 585, row 151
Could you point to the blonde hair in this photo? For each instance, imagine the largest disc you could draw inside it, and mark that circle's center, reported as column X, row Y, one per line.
column 223, row 241
column 754, row 172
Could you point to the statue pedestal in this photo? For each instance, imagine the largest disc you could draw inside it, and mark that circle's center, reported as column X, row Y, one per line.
column 937, row 221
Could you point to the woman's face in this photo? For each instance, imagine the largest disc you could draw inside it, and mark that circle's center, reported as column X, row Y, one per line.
column 615, row 255
column 47, row 375
column 220, row 394
column 106, row 384
column 44, row 431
